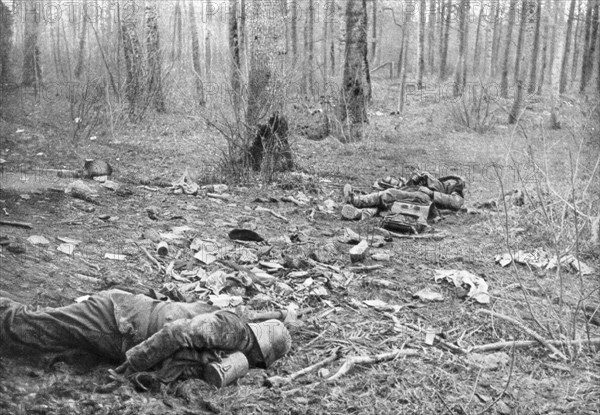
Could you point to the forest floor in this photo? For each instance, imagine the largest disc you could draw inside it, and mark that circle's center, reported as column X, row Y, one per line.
column 361, row 313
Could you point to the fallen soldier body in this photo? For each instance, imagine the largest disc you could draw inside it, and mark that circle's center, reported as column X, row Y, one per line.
column 421, row 189
column 154, row 340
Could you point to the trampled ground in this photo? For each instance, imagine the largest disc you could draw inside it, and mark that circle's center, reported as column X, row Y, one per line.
column 439, row 379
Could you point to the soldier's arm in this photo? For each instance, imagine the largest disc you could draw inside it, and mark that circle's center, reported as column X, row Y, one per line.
column 443, row 201
column 219, row 330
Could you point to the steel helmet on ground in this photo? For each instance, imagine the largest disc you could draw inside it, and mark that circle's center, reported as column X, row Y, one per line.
column 273, row 340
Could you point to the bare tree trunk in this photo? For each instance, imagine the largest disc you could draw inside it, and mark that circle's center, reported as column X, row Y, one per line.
column 536, row 48
column 374, row 31
column 555, row 67
column 6, row 33
column 444, row 57
column 132, row 51
column 325, row 43
column 402, row 51
column 32, row 66
column 352, row 106
column 488, row 44
column 577, row 37
column 177, row 33
column 341, row 43
column 118, row 51
column 242, row 33
column 311, row 48
column 511, row 23
column 68, row 69
column 598, row 58
column 465, row 34
column 286, row 13
column 55, row 38
column 155, row 88
column 554, row 12
column 196, row 56
column 265, row 44
column 366, row 57
column 81, row 52
column 497, row 38
column 565, row 57
column 304, row 81
column 587, row 65
column 332, row 56
column 460, row 79
column 234, row 49
column 333, row 32
column 520, row 36
column 402, row 64
column 442, row 9
column 476, row 54
column 545, row 12
column 208, row 51
column 380, row 32
column 294, row 30
column 431, row 36
column 526, row 29
column 422, row 23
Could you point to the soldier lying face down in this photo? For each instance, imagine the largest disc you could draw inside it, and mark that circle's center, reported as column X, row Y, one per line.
column 154, row 340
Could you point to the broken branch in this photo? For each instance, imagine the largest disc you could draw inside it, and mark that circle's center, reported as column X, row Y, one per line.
column 272, row 212
column 366, row 268
column 292, row 200
column 151, row 258
column 277, row 381
column 352, row 361
column 528, row 343
column 527, row 330
column 218, row 196
column 25, row 225
column 420, row 236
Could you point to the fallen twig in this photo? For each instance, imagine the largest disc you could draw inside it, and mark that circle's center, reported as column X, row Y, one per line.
column 87, row 278
column 277, row 381
column 292, row 200
column 218, row 196
column 25, row 225
column 322, row 265
column 272, row 212
column 148, row 188
column 528, row 343
column 151, row 258
column 351, row 361
column 554, row 350
column 366, row 268
column 435, row 236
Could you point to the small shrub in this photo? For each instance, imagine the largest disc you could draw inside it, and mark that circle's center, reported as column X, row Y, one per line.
column 473, row 110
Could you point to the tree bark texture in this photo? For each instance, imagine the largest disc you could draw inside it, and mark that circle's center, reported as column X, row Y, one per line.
column 353, row 95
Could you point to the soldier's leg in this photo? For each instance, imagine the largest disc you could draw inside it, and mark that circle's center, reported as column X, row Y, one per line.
column 89, row 326
column 372, row 200
column 396, row 195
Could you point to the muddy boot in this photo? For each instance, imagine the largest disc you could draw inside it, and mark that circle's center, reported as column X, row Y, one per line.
column 368, row 212
column 372, row 200
column 348, row 194
column 349, row 212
